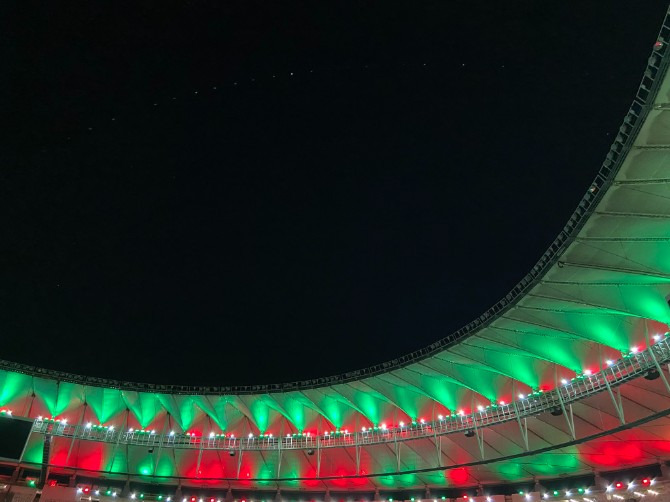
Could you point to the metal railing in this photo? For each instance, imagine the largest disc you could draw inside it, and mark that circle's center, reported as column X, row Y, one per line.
column 630, row 366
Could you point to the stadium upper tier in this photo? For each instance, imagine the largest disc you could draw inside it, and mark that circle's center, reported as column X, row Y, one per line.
column 599, row 292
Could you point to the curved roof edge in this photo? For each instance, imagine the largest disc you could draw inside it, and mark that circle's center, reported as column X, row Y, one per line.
column 657, row 66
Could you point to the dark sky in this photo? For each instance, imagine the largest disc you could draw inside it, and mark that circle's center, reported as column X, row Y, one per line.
column 335, row 184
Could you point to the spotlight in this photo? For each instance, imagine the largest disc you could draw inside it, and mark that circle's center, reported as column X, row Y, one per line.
column 557, row 412
column 231, row 453
column 310, row 452
column 652, row 375
column 469, row 433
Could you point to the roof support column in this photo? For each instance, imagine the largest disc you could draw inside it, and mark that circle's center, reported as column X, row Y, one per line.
column 438, row 450
column 479, row 433
column 239, row 459
column 358, row 458
column 160, row 443
column 437, row 439
column 616, row 402
column 74, row 433
column 523, row 424
column 279, row 454
column 653, row 356
column 569, row 418
column 197, row 466
column 119, row 433
column 396, row 449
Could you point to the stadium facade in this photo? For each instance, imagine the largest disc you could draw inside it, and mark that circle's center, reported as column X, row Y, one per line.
column 565, row 376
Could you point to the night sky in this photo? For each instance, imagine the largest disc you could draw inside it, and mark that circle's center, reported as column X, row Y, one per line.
column 256, row 192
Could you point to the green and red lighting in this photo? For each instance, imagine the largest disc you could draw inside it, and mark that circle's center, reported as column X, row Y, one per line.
column 581, row 315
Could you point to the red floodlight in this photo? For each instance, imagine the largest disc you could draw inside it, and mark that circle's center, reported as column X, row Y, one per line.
column 212, row 499
column 193, row 499
column 646, row 481
column 87, row 489
column 53, row 482
column 618, row 485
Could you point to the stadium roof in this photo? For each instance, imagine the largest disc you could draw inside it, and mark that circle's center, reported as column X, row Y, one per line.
column 601, row 291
